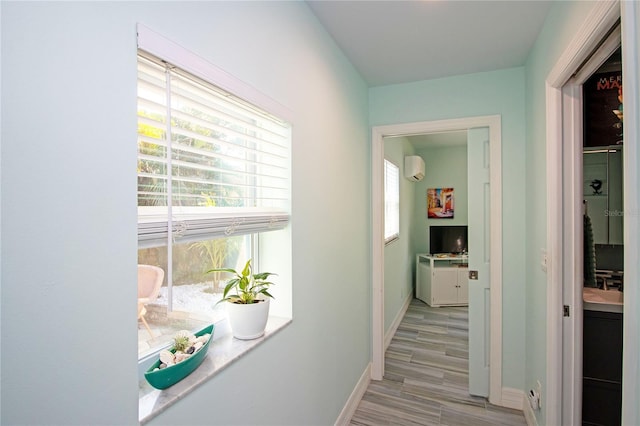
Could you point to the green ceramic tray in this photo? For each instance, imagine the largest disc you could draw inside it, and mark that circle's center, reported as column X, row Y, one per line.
column 162, row 379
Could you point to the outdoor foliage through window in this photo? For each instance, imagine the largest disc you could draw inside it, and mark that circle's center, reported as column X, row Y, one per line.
column 213, row 173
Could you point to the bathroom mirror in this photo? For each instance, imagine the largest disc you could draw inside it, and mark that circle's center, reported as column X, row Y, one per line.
column 602, row 192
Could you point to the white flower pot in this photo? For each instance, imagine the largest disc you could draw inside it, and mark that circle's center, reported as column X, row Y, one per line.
column 248, row 321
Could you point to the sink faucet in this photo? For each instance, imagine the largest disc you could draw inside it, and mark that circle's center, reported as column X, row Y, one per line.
column 605, row 286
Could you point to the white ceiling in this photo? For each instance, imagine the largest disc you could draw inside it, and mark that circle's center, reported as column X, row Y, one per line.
column 396, row 41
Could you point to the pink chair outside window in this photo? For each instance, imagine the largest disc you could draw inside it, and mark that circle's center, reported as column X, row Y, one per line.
column 149, row 283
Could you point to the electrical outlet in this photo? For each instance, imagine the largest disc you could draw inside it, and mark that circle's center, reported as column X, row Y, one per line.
column 543, row 259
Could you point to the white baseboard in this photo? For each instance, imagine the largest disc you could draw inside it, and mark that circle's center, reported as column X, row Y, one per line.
column 354, row 399
column 396, row 321
column 513, row 398
column 529, row 416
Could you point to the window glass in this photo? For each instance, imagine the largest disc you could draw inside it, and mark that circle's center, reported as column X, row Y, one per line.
column 213, row 174
column 391, row 201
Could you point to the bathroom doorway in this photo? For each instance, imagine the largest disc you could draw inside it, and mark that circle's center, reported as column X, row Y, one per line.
column 565, row 146
column 603, row 248
column 564, row 216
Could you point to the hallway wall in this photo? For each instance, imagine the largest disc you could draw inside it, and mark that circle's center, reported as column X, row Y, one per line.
column 446, row 168
column 69, row 216
column 563, row 21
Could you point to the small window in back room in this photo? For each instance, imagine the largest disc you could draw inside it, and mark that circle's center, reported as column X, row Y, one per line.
column 213, row 178
column 391, row 202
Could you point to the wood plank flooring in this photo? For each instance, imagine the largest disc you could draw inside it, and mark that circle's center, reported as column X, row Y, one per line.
column 426, row 380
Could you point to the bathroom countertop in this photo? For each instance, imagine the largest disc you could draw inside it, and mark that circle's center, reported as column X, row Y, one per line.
column 596, row 299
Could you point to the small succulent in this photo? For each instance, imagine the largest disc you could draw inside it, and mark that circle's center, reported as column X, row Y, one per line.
column 182, row 341
column 185, row 344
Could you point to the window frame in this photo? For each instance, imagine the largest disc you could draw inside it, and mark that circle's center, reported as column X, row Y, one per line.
column 248, row 145
column 224, row 347
column 210, row 166
column 161, row 47
column 391, row 170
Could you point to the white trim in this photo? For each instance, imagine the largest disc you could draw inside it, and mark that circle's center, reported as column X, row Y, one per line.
column 529, row 415
column 631, row 69
column 377, row 254
column 554, row 273
column 606, row 49
column 354, row 399
column 513, row 398
column 600, row 20
column 160, row 46
column 397, row 320
column 572, row 227
column 573, row 252
column 377, row 272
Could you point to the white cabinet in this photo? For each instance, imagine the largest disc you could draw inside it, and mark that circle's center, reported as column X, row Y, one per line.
column 442, row 281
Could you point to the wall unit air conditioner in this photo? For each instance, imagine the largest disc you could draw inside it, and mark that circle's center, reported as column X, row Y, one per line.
column 414, row 168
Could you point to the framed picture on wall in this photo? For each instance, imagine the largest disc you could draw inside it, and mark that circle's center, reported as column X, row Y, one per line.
column 440, row 203
column 603, row 109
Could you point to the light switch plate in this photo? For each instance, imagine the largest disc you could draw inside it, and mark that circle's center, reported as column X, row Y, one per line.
column 543, row 259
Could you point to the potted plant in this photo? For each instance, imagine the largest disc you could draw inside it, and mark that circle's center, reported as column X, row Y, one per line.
column 248, row 305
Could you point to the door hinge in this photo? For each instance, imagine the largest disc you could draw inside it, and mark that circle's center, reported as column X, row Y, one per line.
column 566, row 311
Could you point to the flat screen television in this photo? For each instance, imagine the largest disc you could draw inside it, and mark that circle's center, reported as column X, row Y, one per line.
column 448, row 239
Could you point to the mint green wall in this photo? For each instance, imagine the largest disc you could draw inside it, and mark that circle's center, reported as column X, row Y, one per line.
column 490, row 93
column 398, row 255
column 562, row 23
column 446, row 167
column 69, row 219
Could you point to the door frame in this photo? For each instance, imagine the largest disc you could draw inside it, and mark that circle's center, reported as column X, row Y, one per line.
column 630, row 16
column 562, row 384
column 493, row 122
column 573, row 271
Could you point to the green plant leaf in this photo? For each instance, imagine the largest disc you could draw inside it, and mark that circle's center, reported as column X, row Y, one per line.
column 266, row 293
column 244, row 282
column 225, row 299
column 262, row 275
column 231, row 284
column 221, row 270
column 247, row 286
column 247, row 269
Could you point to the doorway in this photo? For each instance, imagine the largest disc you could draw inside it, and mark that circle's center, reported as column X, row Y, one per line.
column 564, row 152
column 494, row 345
column 600, row 93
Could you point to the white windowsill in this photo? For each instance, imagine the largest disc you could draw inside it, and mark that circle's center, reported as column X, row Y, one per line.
column 223, row 351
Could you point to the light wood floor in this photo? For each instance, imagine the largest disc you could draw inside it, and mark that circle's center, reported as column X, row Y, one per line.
column 426, row 380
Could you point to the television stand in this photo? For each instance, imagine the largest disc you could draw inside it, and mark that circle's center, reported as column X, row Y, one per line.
column 442, row 279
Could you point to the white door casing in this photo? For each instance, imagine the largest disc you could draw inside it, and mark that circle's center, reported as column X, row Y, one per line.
column 563, row 146
column 630, row 12
column 479, row 187
column 377, row 220
column 572, row 105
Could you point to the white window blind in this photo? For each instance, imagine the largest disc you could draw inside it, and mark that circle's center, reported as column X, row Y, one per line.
column 209, row 164
column 391, row 201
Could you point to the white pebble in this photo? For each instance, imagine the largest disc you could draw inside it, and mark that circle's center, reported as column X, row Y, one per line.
column 167, row 357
